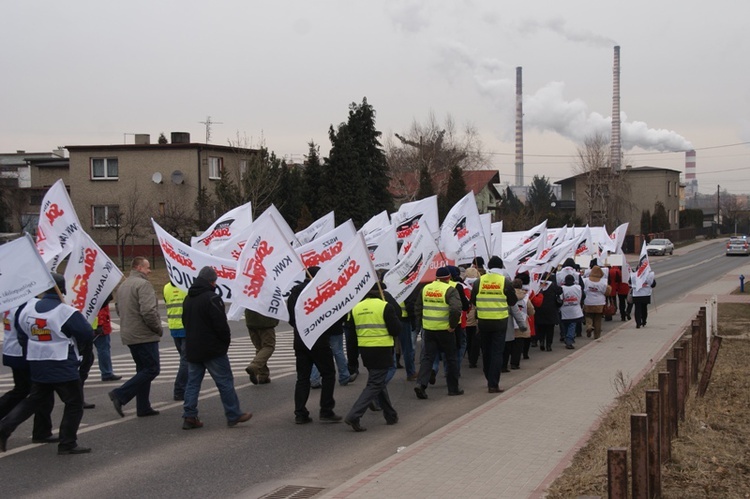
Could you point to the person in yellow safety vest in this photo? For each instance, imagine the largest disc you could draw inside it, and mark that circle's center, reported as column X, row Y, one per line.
column 494, row 297
column 174, row 298
column 376, row 324
column 438, row 312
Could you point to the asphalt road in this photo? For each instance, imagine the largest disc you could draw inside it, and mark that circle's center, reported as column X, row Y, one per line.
column 154, row 457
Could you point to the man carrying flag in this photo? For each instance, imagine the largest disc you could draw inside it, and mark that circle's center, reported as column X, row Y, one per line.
column 643, row 279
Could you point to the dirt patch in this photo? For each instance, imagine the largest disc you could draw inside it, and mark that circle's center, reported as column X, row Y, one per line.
column 711, row 456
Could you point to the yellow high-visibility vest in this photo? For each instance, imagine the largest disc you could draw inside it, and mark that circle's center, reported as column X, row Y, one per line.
column 370, row 324
column 435, row 310
column 491, row 301
column 174, row 297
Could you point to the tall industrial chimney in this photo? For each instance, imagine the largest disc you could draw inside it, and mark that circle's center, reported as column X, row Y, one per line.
column 519, row 126
column 691, row 182
column 616, row 151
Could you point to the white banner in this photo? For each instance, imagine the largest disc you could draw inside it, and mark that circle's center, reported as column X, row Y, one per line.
column 223, row 229
column 184, row 263
column 526, row 238
column 461, row 234
column 496, row 248
column 266, row 269
column 640, row 275
column 321, row 226
column 58, row 227
column 23, row 273
column 326, row 247
column 90, row 277
column 412, row 216
column 379, row 221
column 381, row 243
column 404, row 277
column 334, row 291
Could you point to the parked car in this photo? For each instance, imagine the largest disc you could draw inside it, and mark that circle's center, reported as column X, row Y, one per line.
column 660, row 247
column 738, row 245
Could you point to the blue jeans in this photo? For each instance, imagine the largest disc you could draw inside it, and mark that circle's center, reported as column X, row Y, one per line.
column 104, row 355
column 182, row 372
column 407, row 348
column 570, row 330
column 221, row 372
column 391, row 370
column 146, row 358
column 337, row 347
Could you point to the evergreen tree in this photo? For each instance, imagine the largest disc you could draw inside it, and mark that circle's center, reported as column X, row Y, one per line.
column 305, row 218
column 314, row 178
column 540, row 198
column 645, row 222
column 290, row 197
column 228, row 194
column 425, row 184
column 659, row 220
column 454, row 191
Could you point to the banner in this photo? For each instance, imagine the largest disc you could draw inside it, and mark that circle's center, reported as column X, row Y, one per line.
column 334, row 291
column 326, row 247
column 411, row 216
column 461, row 234
column 526, row 238
column 379, row 221
column 496, row 248
column 184, row 263
column 404, row 277
column 58, row 227
column 381, row 243
column 223, row 229
column 23, row 273
column 640, row 275
column 324, row 224
column 616, row 239
column 90, row 277
column 267, row 268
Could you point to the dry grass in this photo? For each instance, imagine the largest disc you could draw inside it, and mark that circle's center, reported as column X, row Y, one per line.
column 711, row 457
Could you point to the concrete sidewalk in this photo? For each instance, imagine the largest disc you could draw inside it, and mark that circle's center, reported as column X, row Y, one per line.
column 496, row 451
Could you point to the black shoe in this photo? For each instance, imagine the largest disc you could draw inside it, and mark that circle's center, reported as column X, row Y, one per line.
column 86, row 405
column 637, row 326
column 549, row 349
column 456, row 393
column 264, row 380
column 433, row 377
column 46, row 440
column 114, row 377
column 570, row 347
column 353, row 376
column 355, row 425
column 302, row 419
column 515, row 367
column 74, row 450
column 562, row 340
column 330, row 418
column 541, row 347
column 253, row 377
column 525, row 357
column 150, row 412
column 472, row 366
column 117, row 404
column 420, row 391
column 179, row 398
column 493, row 389
column 628, row 316
column 534, row 344
column 393, row 421
column 192, row 423
column 374, row 406
column 505, row 370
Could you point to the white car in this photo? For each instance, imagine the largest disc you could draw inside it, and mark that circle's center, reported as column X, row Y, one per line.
column 738, row 245
column 660, row 247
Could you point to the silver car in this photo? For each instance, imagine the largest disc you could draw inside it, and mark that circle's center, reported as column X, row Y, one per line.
column 738, row 245
column 660, row 247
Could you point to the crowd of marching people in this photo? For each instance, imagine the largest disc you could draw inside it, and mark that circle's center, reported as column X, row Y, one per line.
column 474, row 311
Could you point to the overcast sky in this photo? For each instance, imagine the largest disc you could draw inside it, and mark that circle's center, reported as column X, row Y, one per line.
column 281, row 72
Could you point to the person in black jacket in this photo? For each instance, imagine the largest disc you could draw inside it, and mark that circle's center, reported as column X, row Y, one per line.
column 207, row 338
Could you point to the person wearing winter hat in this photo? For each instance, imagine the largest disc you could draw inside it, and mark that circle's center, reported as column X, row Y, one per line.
column 438, row 312
column 597, row 290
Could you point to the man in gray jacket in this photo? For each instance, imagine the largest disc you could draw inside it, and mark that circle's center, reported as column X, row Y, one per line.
column 140, row 329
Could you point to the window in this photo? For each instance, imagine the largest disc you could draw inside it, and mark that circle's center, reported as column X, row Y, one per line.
column 215, row 166
column 243, row 168
column 104, row 169
column 105, row 215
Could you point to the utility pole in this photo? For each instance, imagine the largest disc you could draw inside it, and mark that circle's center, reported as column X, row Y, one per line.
column 208, row 124
column 718, row 210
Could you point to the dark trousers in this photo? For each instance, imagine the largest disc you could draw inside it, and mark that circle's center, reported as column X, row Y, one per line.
column 70, row 393
column 641, row 309
column 520, row 347
column 146, row 357
column 493, row 345
column 473, row 345
column 545, row 334
column 434, row 343
column 352, row 356
column 625, row 307
column 322, row 357
column 21, row 389
column 375, row 389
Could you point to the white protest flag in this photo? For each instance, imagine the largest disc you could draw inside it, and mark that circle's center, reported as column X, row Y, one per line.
column 383, row 248
column 486, row 219
column 184, row 263
column 90, row 277
column 283, row 226
column 224, row 228
column 379, row 221
column 525, row 238
column 642, row 270
column 461, row 231
column 23, row 273
column 496, row 246
column 527, row 251
column 326, row 247
column 404, row 277
column 334, row 291
column 411, row 216
column 617, row 237
column 584, row 245
column 58, row 227
column 321, row 226
column 266, row 269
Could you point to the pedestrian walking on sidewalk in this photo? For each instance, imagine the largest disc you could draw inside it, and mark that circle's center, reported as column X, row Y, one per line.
column 547, row 305
column 571, row 312
column 262, row 331
column 207, row 339
column 642, row 299
column 597, row 290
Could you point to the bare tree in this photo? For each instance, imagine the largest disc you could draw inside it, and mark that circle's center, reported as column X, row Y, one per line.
column 260, row 173
column 177, row 217
column 606, row 192
column 134, row 215
column 16, row 201
column 433, row 147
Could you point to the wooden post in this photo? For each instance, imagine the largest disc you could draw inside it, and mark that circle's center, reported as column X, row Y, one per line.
column 639, row 455
column 704, row 334
column 665, row 440
column 617, row 472
column 695, row 350
column 703, row 386
column 673, row 411
column 653, row 411
column 679, row 353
